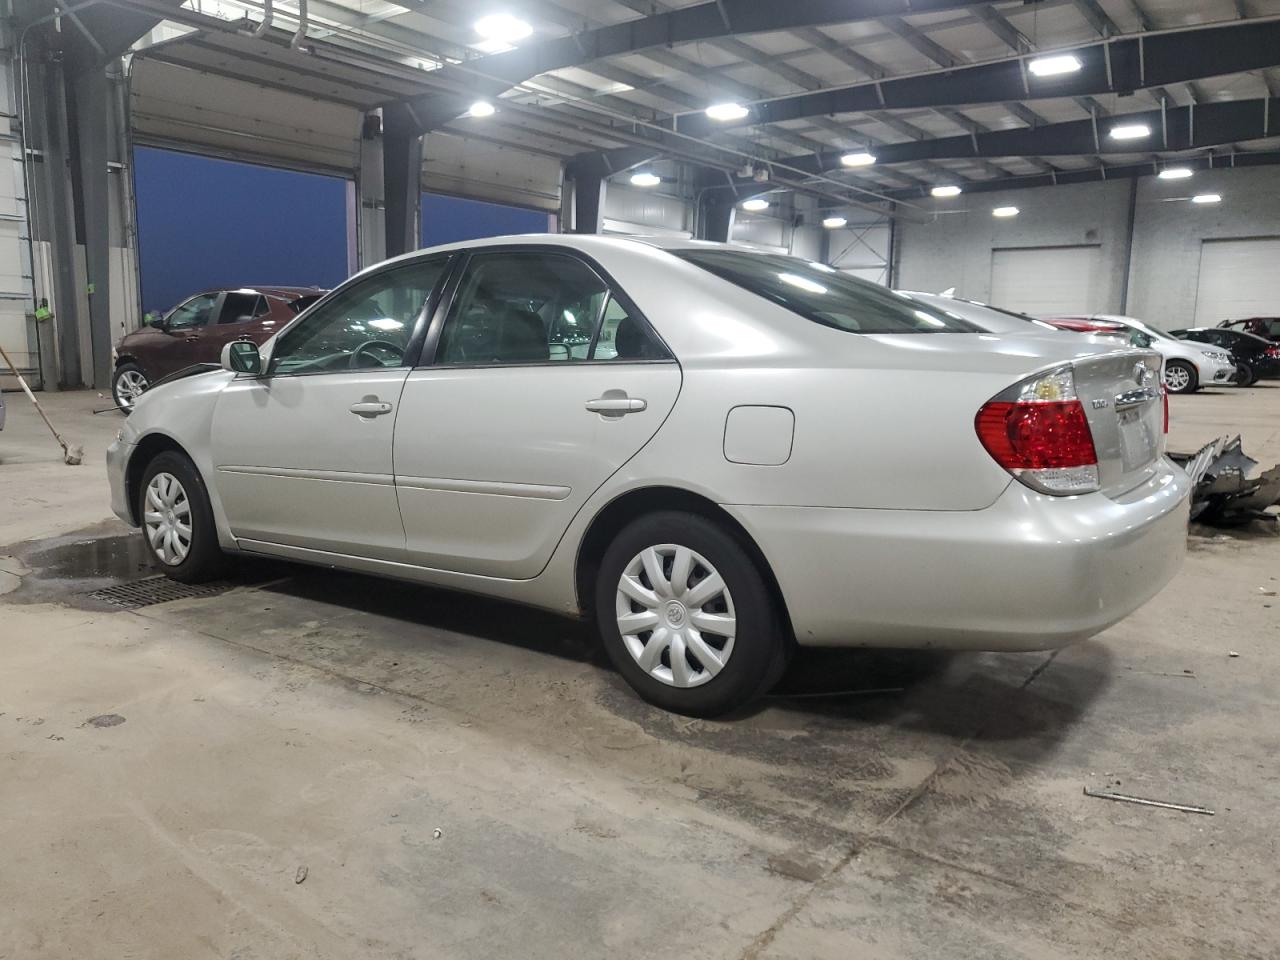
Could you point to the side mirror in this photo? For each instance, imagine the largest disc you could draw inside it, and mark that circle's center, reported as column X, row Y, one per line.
column 1140, row 339
column 241, row 356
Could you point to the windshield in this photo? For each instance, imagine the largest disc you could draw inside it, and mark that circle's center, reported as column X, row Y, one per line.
column 825, row 295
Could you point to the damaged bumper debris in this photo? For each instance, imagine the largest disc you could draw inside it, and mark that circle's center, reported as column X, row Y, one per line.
column 1225, row 490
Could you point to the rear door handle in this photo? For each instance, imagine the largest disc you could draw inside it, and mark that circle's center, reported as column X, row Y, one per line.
column 370, row 407
column 616, row 406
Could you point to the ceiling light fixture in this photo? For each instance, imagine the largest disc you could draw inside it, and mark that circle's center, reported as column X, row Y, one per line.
column 834, row 223
column 1175, row 173
column 1207, row 198
column 1054, row 66
column 946, row 190
column 726, row 111
column 503, row 27
column 755, row 204
column 645, row 179
column 482, row 108
column 862, row 159
column 1130, row 131
column 1005, row 212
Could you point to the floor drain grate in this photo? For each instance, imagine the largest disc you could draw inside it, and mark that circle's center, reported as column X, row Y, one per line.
column 152, row 590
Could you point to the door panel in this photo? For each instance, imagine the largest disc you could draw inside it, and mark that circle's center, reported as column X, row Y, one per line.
column 492, row 463
column 294, row 465
column 302, row 456
column 180, row 343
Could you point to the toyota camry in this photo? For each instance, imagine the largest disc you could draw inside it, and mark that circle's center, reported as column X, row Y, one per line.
column 716, row 453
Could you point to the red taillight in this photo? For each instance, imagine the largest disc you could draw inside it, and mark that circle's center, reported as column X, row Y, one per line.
column 1036, row 435
column 1273, row 352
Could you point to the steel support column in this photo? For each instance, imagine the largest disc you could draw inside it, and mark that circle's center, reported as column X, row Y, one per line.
column 588, row 202
column 715, row 214
column 401, row 179
column 88, row 91
column 369, row 203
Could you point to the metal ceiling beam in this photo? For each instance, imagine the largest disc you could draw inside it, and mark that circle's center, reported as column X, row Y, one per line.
column 919, row 42
column 994, row 21
column 1165, row 58
column 1098, row 18
column 1097, row 174
column 1216, row 124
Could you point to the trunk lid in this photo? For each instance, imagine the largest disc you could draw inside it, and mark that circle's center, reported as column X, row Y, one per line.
column 1122, row 398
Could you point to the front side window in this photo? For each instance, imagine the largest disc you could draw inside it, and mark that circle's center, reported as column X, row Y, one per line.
column 522, row 308
column 364, row 327
column 825, row 295
column 196, row 312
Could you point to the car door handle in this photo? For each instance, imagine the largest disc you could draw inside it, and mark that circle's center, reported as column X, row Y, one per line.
column 370, row 407
column 193, row 339
column 616, row 406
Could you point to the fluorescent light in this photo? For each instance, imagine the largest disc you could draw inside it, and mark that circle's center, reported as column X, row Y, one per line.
column 492, row 46
column 503, row 27
column 755, row 204
column 726, row 111
column 1207, row 198
column 1053, row 66
column 1005, row 212
column 481, row 108
column 645, row 180
column 1130, row 131
column 862, row 159
column 948, row 190
column 834, row 223
column 804, row 283
column 1175, row 173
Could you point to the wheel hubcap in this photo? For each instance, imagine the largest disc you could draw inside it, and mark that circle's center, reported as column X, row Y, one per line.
column 167, row 519
column 675, row 615
column 1176, row 378
column 130, row 386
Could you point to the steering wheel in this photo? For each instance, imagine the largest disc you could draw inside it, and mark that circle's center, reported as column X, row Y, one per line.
column 354, row 362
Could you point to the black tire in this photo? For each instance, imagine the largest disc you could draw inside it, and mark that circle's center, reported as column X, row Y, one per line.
column 760, row 647
column 204, row 559
column 1192, row 382
column 1245, row 375
column 119, row 392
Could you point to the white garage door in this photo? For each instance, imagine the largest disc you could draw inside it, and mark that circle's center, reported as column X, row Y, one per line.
column 1048, row 281
column 1238, row 279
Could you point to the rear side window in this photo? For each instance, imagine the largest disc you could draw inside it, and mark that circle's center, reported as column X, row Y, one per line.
column 238, row 307
column 297, row 306
column 825, row 295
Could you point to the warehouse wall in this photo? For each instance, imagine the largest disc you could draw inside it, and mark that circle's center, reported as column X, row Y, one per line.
column 954, row 247
column 1167, row 237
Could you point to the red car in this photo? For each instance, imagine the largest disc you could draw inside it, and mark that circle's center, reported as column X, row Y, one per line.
column 195, row 331
column 1267, row 327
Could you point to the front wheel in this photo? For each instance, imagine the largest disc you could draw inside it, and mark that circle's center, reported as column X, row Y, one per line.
column 177, row 520
column 686, row 616
column 1245, row 376
column 1180, row 377
column 128, row 383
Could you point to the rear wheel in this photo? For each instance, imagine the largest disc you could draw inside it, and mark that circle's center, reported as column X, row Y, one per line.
column 177, row 520
column 1180, row 377
column 686, row 616
column 127, row 385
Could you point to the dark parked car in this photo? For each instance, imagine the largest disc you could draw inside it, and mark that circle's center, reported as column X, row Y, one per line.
column 195, row 331
column 1255, row 357
column 1266, row 327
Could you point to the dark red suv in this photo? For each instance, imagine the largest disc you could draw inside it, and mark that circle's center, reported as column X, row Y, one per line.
column 195, row 330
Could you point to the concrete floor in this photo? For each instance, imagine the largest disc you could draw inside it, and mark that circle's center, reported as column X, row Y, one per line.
column 879, row 806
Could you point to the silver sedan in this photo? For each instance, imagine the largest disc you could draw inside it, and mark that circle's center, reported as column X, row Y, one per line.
column 716, row 453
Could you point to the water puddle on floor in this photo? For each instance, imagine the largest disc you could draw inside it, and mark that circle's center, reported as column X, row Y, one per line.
column 66, row 569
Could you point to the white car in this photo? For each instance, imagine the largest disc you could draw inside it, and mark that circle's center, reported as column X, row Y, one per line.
column 1188, row 366
column 992, row 319
column 715, row 452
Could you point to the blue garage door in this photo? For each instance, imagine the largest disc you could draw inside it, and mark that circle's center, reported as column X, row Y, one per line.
column 213, row 223
column 450, row 219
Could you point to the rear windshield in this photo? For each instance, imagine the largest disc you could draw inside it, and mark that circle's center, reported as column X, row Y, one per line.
column 825, row 295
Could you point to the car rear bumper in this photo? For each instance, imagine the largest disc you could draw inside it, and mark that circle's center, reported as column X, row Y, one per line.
column 1030, row 572
column 118, row 455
